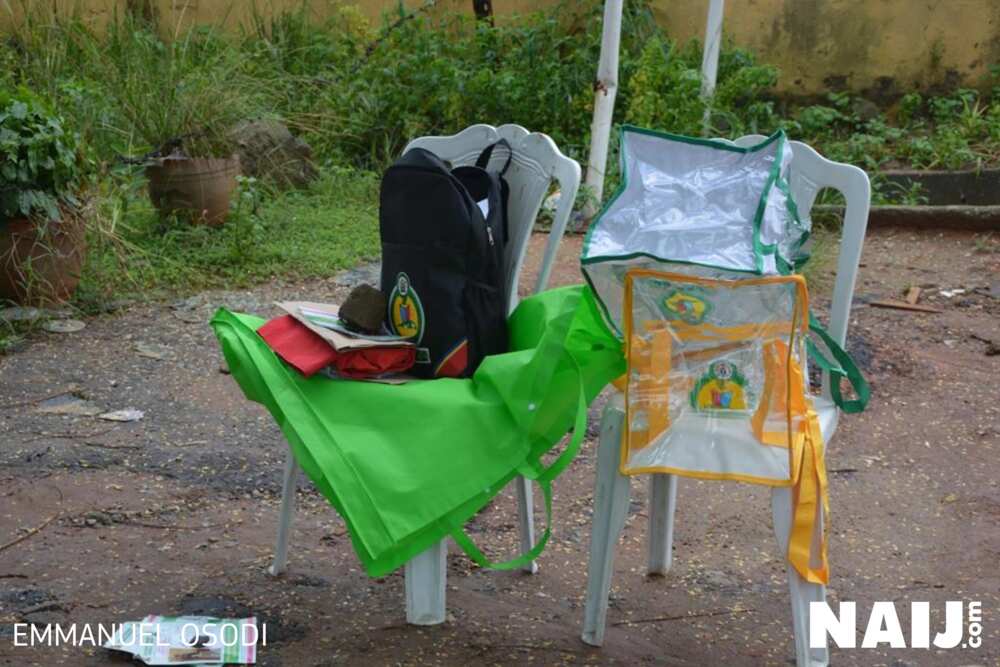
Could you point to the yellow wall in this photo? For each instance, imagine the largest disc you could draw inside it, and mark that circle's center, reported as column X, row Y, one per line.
column 863, row 45
column 876, row 46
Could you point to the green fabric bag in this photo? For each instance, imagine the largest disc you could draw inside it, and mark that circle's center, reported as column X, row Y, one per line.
column 406, row 465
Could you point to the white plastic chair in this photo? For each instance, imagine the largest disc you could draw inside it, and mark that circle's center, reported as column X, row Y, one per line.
column 809, row 172
column 536, row 162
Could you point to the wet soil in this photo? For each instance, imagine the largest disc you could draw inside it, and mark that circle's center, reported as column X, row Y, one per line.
column 176, row 512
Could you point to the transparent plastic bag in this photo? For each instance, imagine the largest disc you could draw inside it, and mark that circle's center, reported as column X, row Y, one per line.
column 716, row 383
column 714, row 209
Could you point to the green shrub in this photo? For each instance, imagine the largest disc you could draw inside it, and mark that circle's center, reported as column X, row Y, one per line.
column 818, row 120
column 189, row 92
column 38, row 158
column 664, row 92
column 427, row 75
column 359, row 92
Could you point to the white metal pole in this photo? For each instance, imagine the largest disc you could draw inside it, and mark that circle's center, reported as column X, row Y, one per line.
column 606, row 87
column 710, row 57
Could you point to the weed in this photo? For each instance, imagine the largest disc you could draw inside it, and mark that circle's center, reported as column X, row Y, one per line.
column 987, row 244
column 38, row 159
column 358, row 92
column 293, row 235
column 9, row 341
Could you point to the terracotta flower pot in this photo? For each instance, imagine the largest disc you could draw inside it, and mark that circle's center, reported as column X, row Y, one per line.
column 196, row 188
column 41, row 265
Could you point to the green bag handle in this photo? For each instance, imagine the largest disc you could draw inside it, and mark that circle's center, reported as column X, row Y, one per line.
column 533, row 470
column 847, row 369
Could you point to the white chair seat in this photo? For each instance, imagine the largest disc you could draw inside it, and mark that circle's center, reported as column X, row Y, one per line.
column 828, row 415
column 732, row 441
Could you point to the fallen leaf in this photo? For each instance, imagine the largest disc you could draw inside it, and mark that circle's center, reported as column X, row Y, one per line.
column 129, row 415
column 150, row 351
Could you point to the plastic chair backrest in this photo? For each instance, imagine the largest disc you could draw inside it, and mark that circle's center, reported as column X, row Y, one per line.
column 537, row 162
column 810, row 172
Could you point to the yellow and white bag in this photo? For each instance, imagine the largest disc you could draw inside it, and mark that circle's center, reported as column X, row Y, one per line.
column 692, row 262
column 716, row 389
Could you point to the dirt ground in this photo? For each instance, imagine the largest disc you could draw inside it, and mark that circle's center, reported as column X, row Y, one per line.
column 176, row 512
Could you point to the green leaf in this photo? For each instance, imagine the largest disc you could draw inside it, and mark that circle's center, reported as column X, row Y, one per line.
column 19, row 110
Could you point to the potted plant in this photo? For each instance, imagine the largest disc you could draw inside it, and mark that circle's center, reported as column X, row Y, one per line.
column 193, row 168
column 42, row 232
column 180, row 100
column 197, row 188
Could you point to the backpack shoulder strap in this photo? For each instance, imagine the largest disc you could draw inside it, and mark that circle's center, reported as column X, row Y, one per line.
column 484, row 158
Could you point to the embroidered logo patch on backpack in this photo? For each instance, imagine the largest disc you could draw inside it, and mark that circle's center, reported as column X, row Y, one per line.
column 406, row 314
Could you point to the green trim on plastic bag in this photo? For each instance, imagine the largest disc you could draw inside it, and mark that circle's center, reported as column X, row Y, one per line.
column 759, row 248
column 710, row 143
column 797, row 259
column 846, row 369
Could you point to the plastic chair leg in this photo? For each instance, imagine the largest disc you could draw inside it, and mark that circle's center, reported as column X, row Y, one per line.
column 526, row 517
column 801, row 591
column 425, row 576
column 662, row 504
column 611, row 499
column 285, row 515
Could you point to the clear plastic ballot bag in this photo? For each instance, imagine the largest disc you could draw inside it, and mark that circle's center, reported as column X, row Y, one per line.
column 716, row 388
column 692, row 262
column 714, row 209
column 715, row 384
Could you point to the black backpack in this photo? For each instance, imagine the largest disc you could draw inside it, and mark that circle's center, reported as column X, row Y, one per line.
column 443, row 259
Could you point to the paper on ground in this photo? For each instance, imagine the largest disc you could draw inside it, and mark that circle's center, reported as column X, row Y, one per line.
column 188, row 640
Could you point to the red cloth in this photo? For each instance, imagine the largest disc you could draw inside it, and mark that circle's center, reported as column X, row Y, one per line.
column 308, row 353
column 371, row 361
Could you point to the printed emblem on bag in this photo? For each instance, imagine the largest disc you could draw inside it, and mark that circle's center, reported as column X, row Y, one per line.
column 722, row 387
column 406, row 314
column 686, row 306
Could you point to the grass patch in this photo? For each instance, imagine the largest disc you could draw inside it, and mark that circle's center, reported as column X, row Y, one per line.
column 357, row 92
column 293, row 235
column 820, row 270
column 10, row 337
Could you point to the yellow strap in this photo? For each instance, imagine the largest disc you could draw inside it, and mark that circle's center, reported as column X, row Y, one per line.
column 650, row 392
column 783, row 389
column 708, row 332
column 772, row 366
column 809, row 490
